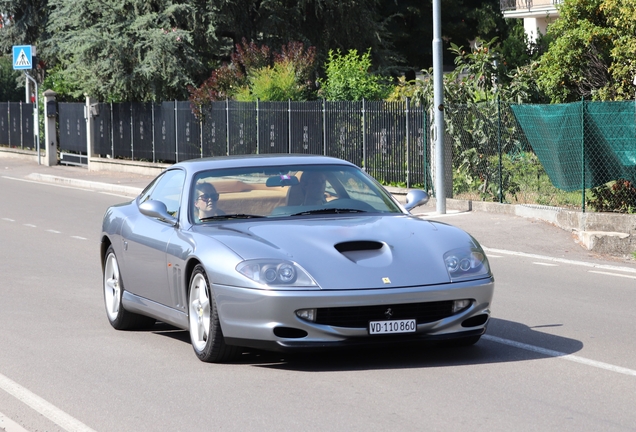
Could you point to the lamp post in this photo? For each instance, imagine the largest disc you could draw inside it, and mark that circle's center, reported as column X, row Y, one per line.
column 438, row 103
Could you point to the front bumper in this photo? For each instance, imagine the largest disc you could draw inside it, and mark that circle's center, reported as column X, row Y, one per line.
column 258, row 318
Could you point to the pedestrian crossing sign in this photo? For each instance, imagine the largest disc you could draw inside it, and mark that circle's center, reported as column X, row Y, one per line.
column 22, row 58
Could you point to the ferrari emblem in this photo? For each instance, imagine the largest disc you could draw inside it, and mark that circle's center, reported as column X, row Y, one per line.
column 386, row 280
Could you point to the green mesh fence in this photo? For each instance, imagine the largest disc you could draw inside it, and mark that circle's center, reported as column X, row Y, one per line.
column 579, row 155
column 584, row 144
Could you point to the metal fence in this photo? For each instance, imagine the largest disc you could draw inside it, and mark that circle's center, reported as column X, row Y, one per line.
column 386, row 138
column 526, row 5
column 580, row 155
column 16, row 125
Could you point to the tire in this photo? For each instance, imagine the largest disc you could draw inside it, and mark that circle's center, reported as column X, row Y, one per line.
column 206, row 335
column 119, row 318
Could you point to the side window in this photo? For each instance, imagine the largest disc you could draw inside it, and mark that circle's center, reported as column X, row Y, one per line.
column 145, row 195
column 167, row 189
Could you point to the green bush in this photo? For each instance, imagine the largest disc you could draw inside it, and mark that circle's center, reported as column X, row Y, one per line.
column 349, row 79
column 618, row 196
column 273, row 83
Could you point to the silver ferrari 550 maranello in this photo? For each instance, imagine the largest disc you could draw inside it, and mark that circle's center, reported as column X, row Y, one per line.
column 290, row 252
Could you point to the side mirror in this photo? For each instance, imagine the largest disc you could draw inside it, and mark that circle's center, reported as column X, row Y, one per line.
column 415, row 198
column 158, row 210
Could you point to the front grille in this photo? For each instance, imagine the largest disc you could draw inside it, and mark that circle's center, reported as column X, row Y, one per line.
column 359, row 316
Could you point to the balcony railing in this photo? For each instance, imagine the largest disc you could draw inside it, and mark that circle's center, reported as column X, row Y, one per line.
column 507, row 5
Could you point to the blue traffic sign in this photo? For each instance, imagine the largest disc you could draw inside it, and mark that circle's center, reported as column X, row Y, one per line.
column 22, row 58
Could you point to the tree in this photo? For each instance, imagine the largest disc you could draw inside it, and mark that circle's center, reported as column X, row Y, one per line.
column 132, row 50
column 22, row 22
column 324, row 24
column 410, row 26
column 9, row 91
column 621, row 15
column 576, row 62
column 593, row 51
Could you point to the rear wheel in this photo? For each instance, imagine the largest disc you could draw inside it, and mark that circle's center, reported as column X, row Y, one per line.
column 205, row 329
column 119, row 317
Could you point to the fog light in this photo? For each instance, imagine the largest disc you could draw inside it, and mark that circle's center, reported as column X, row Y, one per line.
column 307, row 314
column 459, row 305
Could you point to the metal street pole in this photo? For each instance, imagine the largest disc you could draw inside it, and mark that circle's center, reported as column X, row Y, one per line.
column 36, row 116
column 438, row 102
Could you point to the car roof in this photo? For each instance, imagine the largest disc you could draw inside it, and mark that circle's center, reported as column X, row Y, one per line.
column 245, row 161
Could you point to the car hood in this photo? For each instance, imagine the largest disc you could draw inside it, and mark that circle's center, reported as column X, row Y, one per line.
column 352, row 252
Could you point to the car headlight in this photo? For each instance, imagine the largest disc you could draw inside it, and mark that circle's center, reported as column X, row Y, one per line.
column 463, row 264
column 276, row 273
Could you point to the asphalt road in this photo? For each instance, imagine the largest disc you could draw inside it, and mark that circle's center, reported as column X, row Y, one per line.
column 559, row 353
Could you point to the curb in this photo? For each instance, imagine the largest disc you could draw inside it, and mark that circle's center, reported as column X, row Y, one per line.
column 86, row 184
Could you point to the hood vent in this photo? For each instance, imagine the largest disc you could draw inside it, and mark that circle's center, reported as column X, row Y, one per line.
column 358, row 246
column 366, row 253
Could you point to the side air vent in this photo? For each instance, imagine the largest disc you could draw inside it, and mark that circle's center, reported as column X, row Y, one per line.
column 289, row 332
column 475, row 321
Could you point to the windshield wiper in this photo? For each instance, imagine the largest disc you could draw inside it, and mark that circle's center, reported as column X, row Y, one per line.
column 231, row 216
column 329, row 211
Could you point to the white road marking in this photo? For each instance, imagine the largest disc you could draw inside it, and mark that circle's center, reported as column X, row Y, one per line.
column 562, row 356
column 53, row 231
column 612, row 274
column 8, row 220
column 43, row 407
column 30, row 225
column 8, row 425
column 546, row 264
column 562, row 260
column 78, row 237
column 494, row 256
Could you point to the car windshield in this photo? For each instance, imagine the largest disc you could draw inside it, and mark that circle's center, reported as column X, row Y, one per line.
column 286, row 191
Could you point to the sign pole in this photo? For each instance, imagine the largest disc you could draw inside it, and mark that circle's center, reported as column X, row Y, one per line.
column 36, row 116
column 23, row 60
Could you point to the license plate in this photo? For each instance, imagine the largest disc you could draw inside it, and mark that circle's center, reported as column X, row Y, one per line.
column 392, row 326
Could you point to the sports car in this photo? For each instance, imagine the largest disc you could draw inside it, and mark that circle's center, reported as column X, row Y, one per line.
column 289, row 252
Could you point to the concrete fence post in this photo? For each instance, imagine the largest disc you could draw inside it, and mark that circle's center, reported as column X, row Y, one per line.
column 90, row 111
column 50, row 128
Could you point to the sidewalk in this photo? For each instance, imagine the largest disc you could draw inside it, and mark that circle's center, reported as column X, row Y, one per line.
column 527, row 229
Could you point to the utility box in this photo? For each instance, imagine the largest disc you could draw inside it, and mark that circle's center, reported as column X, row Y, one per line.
column 51, row 109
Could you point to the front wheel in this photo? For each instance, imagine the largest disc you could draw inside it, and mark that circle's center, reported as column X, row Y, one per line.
column 205, row 329
column 119, row 317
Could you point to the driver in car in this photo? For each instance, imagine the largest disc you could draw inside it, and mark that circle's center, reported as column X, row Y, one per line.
column 313, row 186
column 205, row 201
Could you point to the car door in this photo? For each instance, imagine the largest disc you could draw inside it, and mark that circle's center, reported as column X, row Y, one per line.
column 146, row 242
